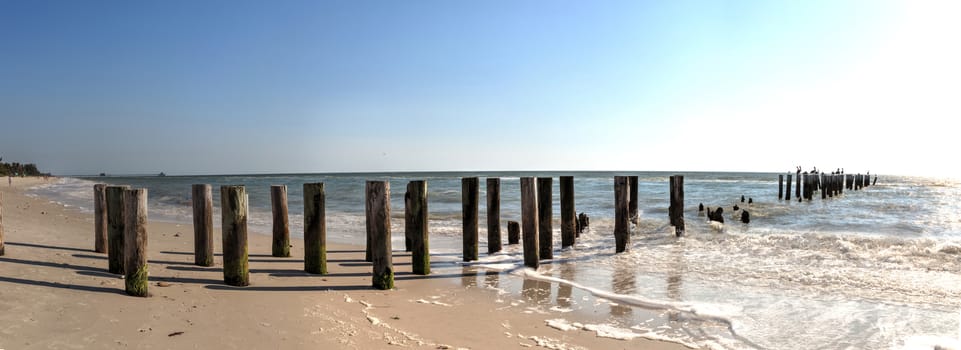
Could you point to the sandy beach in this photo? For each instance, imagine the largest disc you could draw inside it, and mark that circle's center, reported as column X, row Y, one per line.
column 55, row 293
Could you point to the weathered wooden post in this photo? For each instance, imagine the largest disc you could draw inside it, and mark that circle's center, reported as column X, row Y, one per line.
column 1, row 225
column 203, row 205
column 824, row 187
column 115, row 228
column 493, row 215
column 568, row 212
column 233, row 204
column 545, row 216
column 415, row 226
column 315, row 228
column 469, row 193
column 530, row 221
column 135, row 242
column 797, row 190
column 278, row 205
column 677, row 204
column 513, row 232
column 787, row 194
column 780, row 186
column 622, row 226
column 100, row 218
column 632, row 203
column 378, row 200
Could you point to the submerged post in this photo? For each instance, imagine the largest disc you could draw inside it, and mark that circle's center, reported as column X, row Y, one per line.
column 632, row 203
column 415, row 226
column 780, row 186
column 203, row 205
column 233, row 204
column 530, row 221
column 622, row 226
column 568, row 212
column 545, row 216
column 469, row 194
column 135, row 242
column 115, row 228
column 100, row 218
column 677, row 204
column 513, row 232
column 493, row 215
column 278, row 205
column 378, row 201
column 315, row 228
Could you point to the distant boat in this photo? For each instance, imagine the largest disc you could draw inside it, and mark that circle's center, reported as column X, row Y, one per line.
column 103, row 174
column 161, row 174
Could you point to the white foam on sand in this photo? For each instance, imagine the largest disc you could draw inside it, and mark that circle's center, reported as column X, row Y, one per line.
column 722, row 314
column 707, row 312
column 928, row 342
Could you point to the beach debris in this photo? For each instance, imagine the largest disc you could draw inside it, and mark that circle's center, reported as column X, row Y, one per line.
column 174, row 334
column 163, row 284
column 395, row 317
column 434, row 302
column 177, row 234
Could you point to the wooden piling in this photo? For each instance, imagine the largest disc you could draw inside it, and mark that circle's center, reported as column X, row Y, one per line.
column 469, row 200
column 780, row 186
column 797, row 189
column 278, row 205
column 622, row 226
column 568, row 212
column 233, row 204
column 415, row 226
column 100, row 218
column 513, row 232
column 378, row 200
column 787, row 194
column 135, row 242
column 545, row 217
column 315, row 228
column 677, row 204
column 1, row 225
column 493, row 215
column 203, row 205
column 115, row 228
column 632, row 202
column 824, row 187
column 530, row 221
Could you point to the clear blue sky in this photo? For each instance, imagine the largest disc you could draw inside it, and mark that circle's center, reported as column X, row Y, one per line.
column 194, row 87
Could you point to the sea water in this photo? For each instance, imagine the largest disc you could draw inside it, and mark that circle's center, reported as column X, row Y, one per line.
column 878, row 268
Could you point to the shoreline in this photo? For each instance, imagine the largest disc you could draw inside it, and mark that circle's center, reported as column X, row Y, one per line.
column 58, row 294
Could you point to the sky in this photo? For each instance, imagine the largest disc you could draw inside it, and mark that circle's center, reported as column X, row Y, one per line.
column 224, row 87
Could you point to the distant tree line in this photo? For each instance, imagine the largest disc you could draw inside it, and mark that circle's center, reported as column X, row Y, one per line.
column 18, row 169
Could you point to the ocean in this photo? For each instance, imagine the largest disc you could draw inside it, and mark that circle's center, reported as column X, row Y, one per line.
column 878, row 268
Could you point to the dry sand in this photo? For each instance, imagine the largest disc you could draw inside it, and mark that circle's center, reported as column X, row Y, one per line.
column 55, row 293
